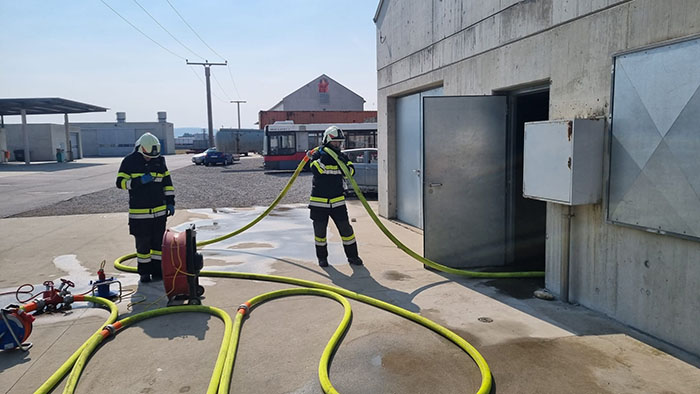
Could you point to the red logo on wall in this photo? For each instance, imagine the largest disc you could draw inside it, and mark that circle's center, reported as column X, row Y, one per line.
column 323, row 85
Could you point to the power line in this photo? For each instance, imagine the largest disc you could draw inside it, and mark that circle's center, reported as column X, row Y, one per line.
column 139, row 30
column 166, row 30
column 204, row 83
column 205, row 43
column 232, row 81
column 193, row 31
column 220, row 87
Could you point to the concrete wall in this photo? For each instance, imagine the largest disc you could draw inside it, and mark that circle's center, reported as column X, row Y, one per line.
column 310, row 97
column 473, row 47
column 41, row 144
column 44, row 139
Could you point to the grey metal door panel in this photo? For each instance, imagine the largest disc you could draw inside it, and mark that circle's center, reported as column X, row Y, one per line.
column 75, row 146
column 654, row 180
column 408, row 160
column 465, row 187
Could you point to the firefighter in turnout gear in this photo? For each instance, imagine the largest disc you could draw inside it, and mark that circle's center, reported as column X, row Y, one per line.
column 327, row 198
column 151, row 199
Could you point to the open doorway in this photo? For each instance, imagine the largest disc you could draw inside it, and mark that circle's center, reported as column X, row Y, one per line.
column 526, row 217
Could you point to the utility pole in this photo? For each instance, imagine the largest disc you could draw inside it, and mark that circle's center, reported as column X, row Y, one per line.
column 238, row 133
column 207, row 74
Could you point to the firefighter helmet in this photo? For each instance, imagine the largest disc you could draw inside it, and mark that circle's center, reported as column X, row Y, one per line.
column 333, row 133
column 148, row 145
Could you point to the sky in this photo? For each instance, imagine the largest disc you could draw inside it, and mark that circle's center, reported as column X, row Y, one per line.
column 81, row 50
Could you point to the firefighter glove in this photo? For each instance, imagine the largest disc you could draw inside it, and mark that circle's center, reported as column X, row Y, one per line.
column 170, row 209
column 147, row 177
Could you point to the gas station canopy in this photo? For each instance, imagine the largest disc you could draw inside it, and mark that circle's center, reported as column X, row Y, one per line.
column 45, row 106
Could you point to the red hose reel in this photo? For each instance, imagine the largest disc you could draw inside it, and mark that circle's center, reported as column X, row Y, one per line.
column 181, row 265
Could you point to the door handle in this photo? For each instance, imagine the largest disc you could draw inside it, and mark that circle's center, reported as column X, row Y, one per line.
column 417, row 172
column 435, row 184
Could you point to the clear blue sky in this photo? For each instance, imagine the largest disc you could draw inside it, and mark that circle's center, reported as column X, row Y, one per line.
column 81, row 50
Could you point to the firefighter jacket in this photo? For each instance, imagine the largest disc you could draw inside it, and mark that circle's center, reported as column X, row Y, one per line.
column 146, row 200
column 327, row 190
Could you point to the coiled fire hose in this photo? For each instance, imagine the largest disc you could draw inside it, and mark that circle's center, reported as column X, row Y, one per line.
column 224, row 366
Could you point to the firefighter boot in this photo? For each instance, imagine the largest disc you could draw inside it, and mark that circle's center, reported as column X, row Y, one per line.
column 355, row 260
column 322, row 262
column 144, row 272
column 156, row 271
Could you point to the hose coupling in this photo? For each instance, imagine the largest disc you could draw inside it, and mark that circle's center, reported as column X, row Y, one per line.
column 110, row 328
column 68, row 299
column 243, row 308
column 40, row 304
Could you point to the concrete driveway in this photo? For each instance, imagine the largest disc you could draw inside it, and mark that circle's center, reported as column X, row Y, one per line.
column 531, row 345
column 24, row 187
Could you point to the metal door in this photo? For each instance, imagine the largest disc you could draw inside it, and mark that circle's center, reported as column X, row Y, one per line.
column 464, row 196
column 408, row 160
column 75, row 146
column 409, row 157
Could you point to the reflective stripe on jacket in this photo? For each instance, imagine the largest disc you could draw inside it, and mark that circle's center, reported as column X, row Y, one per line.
column 327, row 190
column 146, row 200
column 322, row 202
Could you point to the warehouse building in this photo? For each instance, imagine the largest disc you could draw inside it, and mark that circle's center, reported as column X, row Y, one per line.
column 117, row 138
column 322, row 100
column 554, row 135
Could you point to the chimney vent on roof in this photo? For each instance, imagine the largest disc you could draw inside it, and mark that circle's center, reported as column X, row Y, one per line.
column 121, row 117
column 162, row 116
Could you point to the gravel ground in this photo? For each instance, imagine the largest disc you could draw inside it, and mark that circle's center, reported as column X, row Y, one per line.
column 242, row 184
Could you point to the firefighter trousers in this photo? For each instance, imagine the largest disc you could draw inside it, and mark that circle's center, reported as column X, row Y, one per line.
column 342, row 222
column 148, row 234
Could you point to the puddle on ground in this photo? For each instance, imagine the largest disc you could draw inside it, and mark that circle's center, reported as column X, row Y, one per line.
column 282, row 237
column 520, row 288
column 251, row 245
column 396, row 275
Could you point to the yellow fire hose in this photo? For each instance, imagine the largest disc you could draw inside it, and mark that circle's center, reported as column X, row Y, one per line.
column 224, row 366
column 428, row 262
column 54, row 379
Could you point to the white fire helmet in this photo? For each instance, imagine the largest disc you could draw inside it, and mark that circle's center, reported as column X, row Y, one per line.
column 333, row 133
column 148, row 145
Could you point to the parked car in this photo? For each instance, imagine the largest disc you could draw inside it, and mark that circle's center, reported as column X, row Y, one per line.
column 213, row 156
column 199, row 157
column 365, row 162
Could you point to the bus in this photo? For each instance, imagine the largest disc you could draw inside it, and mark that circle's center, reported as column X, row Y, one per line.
column 285, row 143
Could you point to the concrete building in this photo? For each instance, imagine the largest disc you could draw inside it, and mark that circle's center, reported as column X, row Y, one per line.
column 44, row 139
column 321, row 94
column 457, row 82
column 117, row 138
